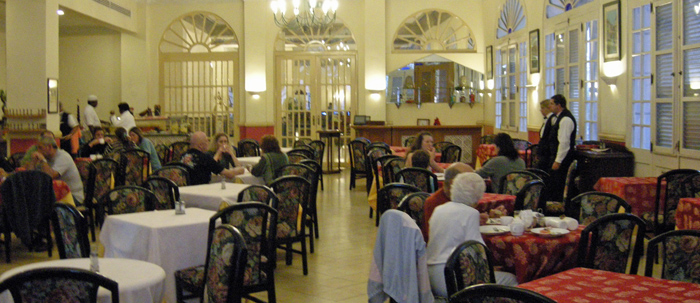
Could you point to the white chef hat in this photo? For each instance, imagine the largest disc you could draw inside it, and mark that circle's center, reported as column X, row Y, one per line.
column 92, row 98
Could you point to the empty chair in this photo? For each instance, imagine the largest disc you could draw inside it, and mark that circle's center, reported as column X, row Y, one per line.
column 529, row 196
column 258, row 193
column 380, row 144
column 301, row 142
column 135, row 166
column 378, row 164
column 373, row 153
column 177, row 149
column 673, row 182
column 175, row 171
column 299, row 154
column 470, row 263
column 166, row 191
column 555, row 208
column 358, row 168
column 295, row 170
column 419, row 177
column 391, row 168
column 221, row 278
column 494, row 292
column 313, row 211
column 511, row 183
column 248, row 148
column 440, row 146
column 610, row 241
column 451, row 154
column 27, row 203
column 692, row 185
column 412, row 204
column 319, row 148
column 62, row 284
column 102, row 177
column 592, row 205
column 292, row 192
column 389, row 196
column 71, row 233
column 678, row 252
column 541, row 173
column 309, row 174
column 162, row 152
column 126, row 199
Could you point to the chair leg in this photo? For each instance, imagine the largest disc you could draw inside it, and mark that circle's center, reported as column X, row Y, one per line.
column 271, row 296
column 377, row 219
column 304, row 262
column 288, row 254
column 370, row 212
column 352, row 179
column 320, row 178
column 315, row 223
column 8, row 240
column 311, row 236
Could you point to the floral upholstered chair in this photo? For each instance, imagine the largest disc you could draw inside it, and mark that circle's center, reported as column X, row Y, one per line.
column 222, row 275
column 258, row 193
column 512, row 182
column 101, row 179
column 469, row 264
column 665, row 207
column 358, row 168
column 422, row 178
column 570, row 190
column 175, row 171
column 293, row 194
column 166, row 191
column 248, row 148
column 680, row 252
column 136, row 166
column 176, row 150
column 529, row 196
column 593, row 205
column 611, row 241
column 127, row 199
column 58, row 285
column 70, row 230
column 391, row 195
column 412, row 204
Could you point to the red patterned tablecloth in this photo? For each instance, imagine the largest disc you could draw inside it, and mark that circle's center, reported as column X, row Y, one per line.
column 688, row 213
column 490, row 201
column 639, row 192
column 583, row 285
column 531, row 257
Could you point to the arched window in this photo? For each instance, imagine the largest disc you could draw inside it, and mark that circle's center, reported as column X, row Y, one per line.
column 512, row 18
column 434, row 31
column 558, row 7
column 335, row 37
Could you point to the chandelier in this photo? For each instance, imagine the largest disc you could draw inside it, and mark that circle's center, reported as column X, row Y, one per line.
column 307, row 13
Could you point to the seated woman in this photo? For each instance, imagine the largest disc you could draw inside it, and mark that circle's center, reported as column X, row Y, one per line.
column 507, row 161
column 221, row 150
column 424, row 141
column 144, row 143
column 97, row 146
column 271, row 160
column 123, row 142
column 454, row 223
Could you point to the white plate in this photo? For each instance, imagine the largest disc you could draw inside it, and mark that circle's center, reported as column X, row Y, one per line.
column 549, row 232
column 598, row 150
column 494, row 229
column 493, row 221
column 440, row 176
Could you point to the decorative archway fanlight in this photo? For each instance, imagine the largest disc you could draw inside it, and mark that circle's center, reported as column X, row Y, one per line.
column 331, row 38
column 434, row 31
column 198, row 32
column 304, row 13
column 512, row 18
column 558, row 7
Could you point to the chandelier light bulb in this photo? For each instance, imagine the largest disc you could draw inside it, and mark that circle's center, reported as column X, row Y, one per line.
column 312, row 4
column 296, row 3
column 273, row 6
column 308, row 14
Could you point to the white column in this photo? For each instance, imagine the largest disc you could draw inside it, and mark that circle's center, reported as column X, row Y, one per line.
column 257, row 22
column 374, row 96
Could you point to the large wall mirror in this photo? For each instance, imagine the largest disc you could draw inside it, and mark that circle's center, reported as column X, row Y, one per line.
column 434, row 79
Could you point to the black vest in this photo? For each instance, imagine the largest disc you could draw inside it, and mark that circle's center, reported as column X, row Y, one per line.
column 65, row 129
column 553, row 140
column 543, row 144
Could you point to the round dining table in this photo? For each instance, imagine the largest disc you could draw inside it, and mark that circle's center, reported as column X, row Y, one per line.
column 139, row 281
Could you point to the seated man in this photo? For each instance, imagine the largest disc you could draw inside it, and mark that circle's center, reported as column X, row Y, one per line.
column 59, row 165
column 452, row 224
column 201, row 164
column 27, row 159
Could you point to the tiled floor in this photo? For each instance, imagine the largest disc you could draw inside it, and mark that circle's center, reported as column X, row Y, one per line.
column 338, row 268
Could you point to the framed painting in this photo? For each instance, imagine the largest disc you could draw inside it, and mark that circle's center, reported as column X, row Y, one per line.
column 611, row 31
column 535, row 51
column 52, row 86
column 489, row 62
column 423, row 122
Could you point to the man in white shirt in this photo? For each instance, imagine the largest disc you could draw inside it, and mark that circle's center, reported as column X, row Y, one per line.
column 543, row 149
column 59, row 165
column 91, row 120
column 125, row 120
column 560, row 142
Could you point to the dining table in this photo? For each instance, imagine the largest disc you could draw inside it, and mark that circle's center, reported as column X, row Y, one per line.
column 162, row 237
column 139, row 281
column 585, row 285
column 211, row 196
column 248, row 161
column 491, row 201
column 638, row 192
column 245, row 178
column 532, row 256
column 688, row 213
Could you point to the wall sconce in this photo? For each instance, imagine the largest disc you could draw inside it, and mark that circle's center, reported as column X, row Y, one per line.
column 375, row 94
column 611, row 70
column 255, row 95
column 489, row 84
column 534, row 80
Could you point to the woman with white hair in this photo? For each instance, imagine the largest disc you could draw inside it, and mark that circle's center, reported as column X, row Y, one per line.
column 452, row 224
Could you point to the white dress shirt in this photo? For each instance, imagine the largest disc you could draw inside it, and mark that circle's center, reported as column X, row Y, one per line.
column 126, row 120
column 566, row 126
column 91, row 118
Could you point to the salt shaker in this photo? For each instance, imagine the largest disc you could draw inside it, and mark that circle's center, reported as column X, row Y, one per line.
column 180, row 207
column 94, row 260
column 223, row 182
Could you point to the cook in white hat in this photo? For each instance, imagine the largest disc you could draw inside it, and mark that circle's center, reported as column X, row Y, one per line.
column 92, row 121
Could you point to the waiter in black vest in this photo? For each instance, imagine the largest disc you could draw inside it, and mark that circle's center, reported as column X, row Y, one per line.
column 543, row 155
column 560, row 143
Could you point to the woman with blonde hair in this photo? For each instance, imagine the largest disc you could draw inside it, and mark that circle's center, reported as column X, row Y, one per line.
column 220, row 148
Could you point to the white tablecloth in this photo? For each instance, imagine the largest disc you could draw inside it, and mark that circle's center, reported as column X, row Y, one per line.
column 139, row 281
column 246, row 178
column 210, row 196
column 248, row 160
column 161, row 237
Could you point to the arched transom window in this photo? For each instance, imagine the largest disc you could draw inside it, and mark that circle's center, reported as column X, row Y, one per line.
column 335, row 37
column 512, row 18
column 558, row 7
column 198, row 32
column 434, row 31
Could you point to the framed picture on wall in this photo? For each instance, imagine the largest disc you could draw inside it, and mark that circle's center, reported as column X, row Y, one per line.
column 489, row 62
column 52, row 86
column 611, row 31
column 423, row 122
column 535, row 51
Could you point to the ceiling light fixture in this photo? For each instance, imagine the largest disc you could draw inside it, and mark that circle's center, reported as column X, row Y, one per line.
column 306, row 13
column 60, row 12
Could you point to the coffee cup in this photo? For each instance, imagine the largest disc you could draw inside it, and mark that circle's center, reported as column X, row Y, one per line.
column 517, row 228
column 102, row 140
column 506, row 220
column 93, row 157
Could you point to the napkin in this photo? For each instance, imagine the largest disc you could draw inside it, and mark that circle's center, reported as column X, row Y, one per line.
column 517, row 228
column 555, row 222
column 571, row 223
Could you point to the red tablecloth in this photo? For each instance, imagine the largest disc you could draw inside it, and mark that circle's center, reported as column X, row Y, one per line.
column 490, row 201
column 581, row 285
column 688, row 213
column 531, row 257
column 639, row 192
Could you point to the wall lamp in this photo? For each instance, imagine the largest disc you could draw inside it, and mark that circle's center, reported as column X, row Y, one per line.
column 255, row 95
column 611, row 70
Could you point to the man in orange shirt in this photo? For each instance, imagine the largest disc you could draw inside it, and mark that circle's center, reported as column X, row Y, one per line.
column 441, row 196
